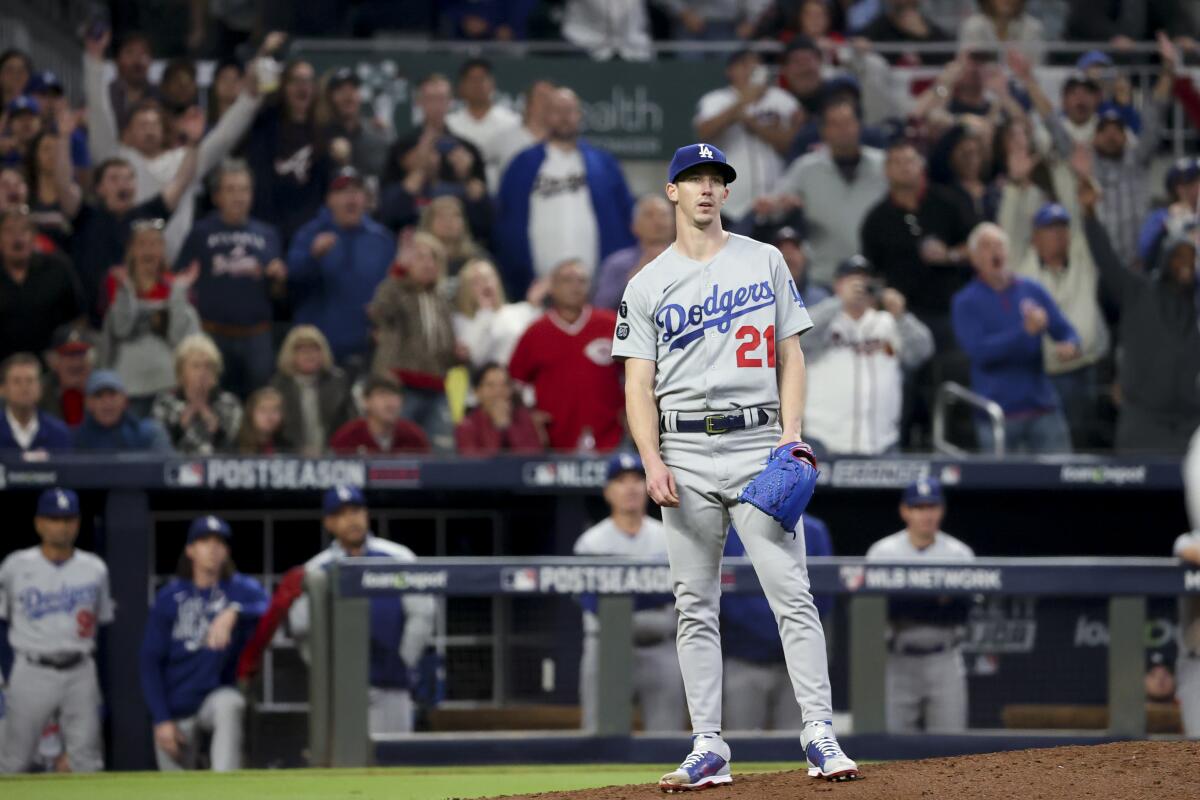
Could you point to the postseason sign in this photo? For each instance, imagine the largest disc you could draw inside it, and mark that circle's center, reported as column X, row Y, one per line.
column 266, row 473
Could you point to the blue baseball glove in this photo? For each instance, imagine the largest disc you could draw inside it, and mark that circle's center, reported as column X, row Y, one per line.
column 783, row 489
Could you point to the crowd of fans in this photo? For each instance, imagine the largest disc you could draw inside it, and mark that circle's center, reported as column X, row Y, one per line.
column 265, row 267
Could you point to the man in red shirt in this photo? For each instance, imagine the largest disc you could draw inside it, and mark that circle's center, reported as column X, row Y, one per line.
column 380, row 429
column 566, row 356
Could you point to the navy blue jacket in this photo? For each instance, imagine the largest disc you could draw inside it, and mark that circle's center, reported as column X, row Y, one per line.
column 52, row 434
column 748, row 628
column 611, row 202
column 130, row 433
column 332, row 292
column 178, row 669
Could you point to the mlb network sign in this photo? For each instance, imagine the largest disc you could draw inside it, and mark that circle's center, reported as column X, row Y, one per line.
column 974, row 579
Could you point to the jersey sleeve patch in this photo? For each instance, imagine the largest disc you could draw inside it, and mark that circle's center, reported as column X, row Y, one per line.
column 635, row 334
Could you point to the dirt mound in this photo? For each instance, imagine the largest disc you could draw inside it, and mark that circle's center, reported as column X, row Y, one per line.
column 1123, row 771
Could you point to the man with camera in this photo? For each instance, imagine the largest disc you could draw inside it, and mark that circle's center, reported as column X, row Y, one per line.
column 863, row 339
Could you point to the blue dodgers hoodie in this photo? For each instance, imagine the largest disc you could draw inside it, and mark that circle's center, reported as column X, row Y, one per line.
column 332, row 292
column 748, row 627
column 178, row 669
column 1006, row 362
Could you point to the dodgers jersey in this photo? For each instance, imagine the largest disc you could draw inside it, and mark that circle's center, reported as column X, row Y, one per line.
column 54, row 608
column 712, row 327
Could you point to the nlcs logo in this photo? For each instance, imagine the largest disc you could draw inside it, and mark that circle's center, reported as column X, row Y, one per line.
column 706, row 151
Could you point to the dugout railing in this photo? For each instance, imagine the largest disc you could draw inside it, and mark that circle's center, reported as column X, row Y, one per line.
column 338, row 727
column 136, row 509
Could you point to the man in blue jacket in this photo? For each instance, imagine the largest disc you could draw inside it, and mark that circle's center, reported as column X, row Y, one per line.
column 1000, row 320
column 334, row 265
column 560, row 200
column 758, row 691
column 108, row 424
column 24, row 426
column 198, row 625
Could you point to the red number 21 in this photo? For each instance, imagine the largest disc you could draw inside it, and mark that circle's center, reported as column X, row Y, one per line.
column 751, row 339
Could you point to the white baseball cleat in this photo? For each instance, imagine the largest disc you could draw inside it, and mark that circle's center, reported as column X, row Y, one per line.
column 705, row 767
column 825, row 757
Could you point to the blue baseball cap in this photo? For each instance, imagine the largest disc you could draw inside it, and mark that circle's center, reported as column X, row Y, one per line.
column 1109, row 114
column 622, row 463
column 59, row 503
column 1051, row 214
column 44, row 82
column 1183, row 170
column 24, row 105
column 338, row 497
column 209, row 525
column 1093, row 58
column 693, row 155
column 924, row 492
column 104, row 380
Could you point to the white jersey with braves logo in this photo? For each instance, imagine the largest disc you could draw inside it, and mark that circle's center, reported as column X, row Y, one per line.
column 856, row 377
column 54, row 608
column 712, row 327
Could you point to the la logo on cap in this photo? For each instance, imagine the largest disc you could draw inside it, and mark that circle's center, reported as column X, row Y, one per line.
column 923, row 488
column 343, row 493
column 213, row 525
column 706, row 151
column 63, row 502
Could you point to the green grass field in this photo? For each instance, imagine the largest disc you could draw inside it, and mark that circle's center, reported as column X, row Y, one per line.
column 407, row 783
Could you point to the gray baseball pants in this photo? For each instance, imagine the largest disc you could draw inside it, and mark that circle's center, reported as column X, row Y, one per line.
column 221, row 715
column 34, row 693
column 710, row 472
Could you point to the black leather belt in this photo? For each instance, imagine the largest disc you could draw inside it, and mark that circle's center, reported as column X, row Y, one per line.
column 60, row 662
column 716, row 424
column 915, row 650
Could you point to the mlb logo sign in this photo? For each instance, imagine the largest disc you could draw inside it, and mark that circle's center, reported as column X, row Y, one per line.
column 852, row 577
column 522, row 579
column 185, row 474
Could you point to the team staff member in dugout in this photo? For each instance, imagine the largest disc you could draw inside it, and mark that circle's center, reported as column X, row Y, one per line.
column 926, row 678
column 52, row 597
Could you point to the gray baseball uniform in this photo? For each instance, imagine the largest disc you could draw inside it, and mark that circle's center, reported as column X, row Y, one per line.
column 711, row 328
column 1187, row 666
column 52, row 611
column 657, row 682
column 926, row 677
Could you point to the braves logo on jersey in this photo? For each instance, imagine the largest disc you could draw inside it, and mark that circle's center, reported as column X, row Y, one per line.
column 681, row 326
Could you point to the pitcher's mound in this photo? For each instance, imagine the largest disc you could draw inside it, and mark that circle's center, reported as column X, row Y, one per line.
column 1122, row 771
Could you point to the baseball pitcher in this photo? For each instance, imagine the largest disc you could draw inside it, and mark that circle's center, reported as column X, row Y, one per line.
column 714, row 383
